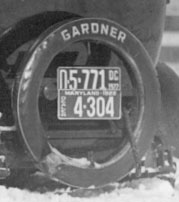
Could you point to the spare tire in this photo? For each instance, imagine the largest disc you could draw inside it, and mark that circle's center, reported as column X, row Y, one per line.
column 139, row 68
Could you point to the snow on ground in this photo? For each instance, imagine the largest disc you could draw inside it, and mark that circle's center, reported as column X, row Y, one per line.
column 144, row 190
column 149, row 190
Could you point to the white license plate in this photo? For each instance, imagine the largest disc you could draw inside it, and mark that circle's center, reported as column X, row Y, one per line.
column 89, row 93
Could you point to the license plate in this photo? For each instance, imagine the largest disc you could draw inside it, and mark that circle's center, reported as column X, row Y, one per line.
column 89, row 93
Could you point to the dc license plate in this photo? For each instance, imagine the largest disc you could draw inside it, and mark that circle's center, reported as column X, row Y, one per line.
column 89, row 93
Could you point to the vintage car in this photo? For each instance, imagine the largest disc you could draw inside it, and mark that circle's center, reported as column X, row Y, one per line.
column 83, row 96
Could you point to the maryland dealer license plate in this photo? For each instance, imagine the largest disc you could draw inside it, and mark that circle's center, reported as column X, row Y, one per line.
column 89, row 93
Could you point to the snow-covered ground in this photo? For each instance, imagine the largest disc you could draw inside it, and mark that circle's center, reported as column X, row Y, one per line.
column 144, row 190
column 154, row 190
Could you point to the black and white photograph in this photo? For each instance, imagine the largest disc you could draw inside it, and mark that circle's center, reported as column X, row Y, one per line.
column 89, row 100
